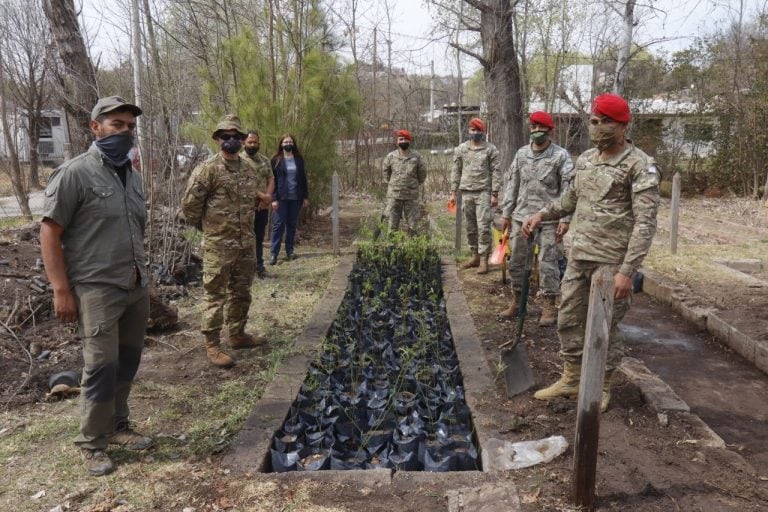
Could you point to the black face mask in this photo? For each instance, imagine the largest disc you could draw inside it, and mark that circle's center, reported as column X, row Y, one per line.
column 404, row 145
column 251, row 150
column 288, row 148
column 477, row 137
column 115, row 148
column 231, row 146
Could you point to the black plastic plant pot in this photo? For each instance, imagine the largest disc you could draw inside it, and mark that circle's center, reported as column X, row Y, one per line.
column 347, row 461
column 315, row 460
column 466, row 458
column 374, row 440
column 406, row 443
column 282, row 462
column 405, row 461
column 379, row 460
column 442, row 460
column 284, row 442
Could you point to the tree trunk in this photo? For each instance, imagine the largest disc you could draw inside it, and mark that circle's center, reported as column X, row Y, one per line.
column 502, row 75
column 17, row 179
column 622, row 62
column 80, row 90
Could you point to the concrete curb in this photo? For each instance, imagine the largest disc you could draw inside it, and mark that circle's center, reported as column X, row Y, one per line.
column 685, row 304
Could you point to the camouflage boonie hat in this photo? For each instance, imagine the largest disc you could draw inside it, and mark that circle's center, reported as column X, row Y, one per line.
column 112, row 103
column 229, row 122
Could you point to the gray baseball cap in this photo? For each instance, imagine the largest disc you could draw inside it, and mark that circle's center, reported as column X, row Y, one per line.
column 112, row 103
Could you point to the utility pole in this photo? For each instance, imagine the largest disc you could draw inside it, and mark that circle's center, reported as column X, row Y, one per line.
column 432, row 91
column 136, row 43
column 389, row 80
column 375, row 71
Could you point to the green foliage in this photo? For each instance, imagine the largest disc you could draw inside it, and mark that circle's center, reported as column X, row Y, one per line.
column 315, row 100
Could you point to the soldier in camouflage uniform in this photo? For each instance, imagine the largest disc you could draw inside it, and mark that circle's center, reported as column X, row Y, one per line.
column 538, row 175
column 220, row 199
column 404, row 172
column 266, row 187
column 614, row 196
column 476, row 172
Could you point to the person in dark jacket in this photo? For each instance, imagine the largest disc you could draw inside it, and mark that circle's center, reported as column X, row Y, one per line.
column 290, row 195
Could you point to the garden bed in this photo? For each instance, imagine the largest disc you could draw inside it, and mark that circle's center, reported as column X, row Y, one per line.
column 386, row 390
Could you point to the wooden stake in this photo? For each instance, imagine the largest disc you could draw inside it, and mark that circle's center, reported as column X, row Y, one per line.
column 457, row 243
column 593, row 361
column 335, row 214
column 675, row 213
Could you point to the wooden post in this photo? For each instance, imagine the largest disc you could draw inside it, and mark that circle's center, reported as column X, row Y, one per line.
column 675, row 213
column 335, row 214
column 598, row 328
column 457, row 242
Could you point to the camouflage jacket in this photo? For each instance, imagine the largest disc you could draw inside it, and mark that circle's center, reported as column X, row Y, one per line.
column 221, row 200
column 614, row 204
column 476, row 169
column 263, row 174
column 534, row 180
column 404, row 174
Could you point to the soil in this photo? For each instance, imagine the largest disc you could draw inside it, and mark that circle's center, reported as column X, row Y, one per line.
column 644, row 464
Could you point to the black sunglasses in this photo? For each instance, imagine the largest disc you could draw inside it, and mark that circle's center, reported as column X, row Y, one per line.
column 230, row 136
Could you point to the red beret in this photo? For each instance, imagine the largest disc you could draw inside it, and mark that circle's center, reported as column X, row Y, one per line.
column 543, row 119
column 404, row 133
column 477, row 124
column 613, row 106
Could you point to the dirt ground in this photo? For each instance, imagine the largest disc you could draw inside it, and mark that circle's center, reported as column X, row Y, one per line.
column 642, row 466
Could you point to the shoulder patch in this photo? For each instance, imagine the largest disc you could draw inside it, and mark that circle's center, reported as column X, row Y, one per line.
column 653, row 169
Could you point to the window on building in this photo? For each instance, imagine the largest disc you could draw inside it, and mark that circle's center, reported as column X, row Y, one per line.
column 698, row 132
column 55, row 121
column 46, row 127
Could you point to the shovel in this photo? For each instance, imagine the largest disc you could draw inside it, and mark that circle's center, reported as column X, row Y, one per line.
column 517, row 372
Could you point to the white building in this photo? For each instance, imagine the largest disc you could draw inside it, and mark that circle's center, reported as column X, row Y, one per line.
column 53, row 135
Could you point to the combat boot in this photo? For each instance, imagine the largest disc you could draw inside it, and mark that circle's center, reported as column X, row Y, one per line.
column 549, row 311
column 215, row 355
column 97, row 462
column 125, row 436
column 483, row 267
column 606, row 398
column 474, row 261
column 567, row 385
column 514, row 307
column 242, row 340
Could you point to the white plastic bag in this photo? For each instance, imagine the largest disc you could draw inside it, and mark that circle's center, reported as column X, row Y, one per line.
column 505, row 455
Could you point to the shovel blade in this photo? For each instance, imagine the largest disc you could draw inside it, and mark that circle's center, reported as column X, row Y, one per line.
column 517, row 372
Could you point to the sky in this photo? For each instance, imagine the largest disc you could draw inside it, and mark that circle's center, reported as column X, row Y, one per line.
column 676, row 23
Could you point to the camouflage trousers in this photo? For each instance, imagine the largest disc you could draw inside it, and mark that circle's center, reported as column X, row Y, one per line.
column 227, row 280
column 550, row 252
column 572, row 318
column 112, row 325
column 477, row 217
column 399, row 208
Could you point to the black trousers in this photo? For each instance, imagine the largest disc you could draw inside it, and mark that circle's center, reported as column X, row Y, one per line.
column 260, row 228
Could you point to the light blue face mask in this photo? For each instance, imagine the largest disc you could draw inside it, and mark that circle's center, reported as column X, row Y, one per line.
column 115, row 148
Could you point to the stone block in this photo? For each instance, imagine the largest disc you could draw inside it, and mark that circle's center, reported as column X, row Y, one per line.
column 742, row 344
column 718, row 328
column 657, row 393
column 761, row 356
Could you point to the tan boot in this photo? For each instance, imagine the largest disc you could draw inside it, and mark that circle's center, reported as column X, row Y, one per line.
column 567, row 385
column 514, row 306
column 607, row 383
column 215, row 355
column 549, row 311
column 474, row 261
column 243, row 340
column 483, row 267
